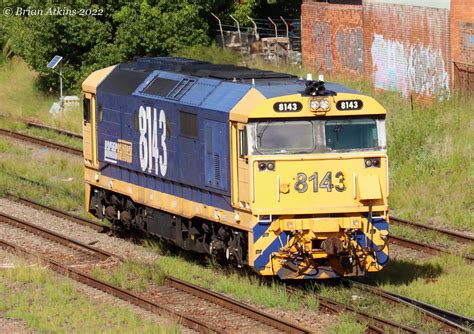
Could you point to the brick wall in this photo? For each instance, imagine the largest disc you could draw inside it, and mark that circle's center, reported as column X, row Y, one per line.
column 462, row 43
column 416, row 50
column 332, row 37
column 408, row 48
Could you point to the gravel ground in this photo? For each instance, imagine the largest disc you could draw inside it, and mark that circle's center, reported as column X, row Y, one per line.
column 14, row 326
column 117, row 246
column 314, row 320
column 402, row 253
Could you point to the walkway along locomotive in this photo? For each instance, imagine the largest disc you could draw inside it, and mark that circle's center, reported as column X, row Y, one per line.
column 263, row 169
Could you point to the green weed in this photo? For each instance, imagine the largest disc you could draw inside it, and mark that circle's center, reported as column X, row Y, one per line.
column 50, row 304
column 131, row 275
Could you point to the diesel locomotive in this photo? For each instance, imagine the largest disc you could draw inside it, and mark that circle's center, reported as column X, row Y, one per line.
column 258, row 168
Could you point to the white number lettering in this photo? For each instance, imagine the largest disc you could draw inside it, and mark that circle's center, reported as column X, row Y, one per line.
column 143, row 145
column 154, row 139
column 164, row 157
column 149, row 151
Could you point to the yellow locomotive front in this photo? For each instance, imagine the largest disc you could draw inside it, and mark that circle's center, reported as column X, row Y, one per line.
column 311, row 178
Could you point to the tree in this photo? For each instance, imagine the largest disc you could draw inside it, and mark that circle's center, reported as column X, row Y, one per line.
column 124, row 30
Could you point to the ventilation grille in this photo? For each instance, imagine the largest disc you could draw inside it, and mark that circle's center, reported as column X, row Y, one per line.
column 182, row 88
column 160, row 86
column 217, row 169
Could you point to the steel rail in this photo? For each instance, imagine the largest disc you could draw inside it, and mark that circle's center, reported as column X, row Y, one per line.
column 375, row 323
column 236, row 306
column 425, row 247
column 446, row 318
column 49, row 128
column 55, row 237
column 379, row 322
column 41, row 142
column 199, row 292
column 60, row 213
column 453, row 235
column 114, row 291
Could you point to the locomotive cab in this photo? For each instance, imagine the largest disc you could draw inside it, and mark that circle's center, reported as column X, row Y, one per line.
column 314, row 181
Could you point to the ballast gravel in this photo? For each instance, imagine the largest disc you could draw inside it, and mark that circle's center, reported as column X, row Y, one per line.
column 316, row 321
column 120, row 247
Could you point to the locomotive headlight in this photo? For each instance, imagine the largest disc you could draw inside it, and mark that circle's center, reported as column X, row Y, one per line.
column 314, row 104
column 368, row 163
column 324, row 104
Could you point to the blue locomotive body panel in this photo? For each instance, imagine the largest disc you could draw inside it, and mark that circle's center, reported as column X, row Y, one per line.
column 192, row 130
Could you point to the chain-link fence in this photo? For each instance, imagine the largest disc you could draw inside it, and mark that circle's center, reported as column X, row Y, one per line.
column 273, row 39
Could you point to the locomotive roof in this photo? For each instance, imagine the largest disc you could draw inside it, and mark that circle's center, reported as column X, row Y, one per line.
column 199, row 83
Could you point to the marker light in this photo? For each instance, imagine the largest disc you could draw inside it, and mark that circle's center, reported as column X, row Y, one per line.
column 324, row 104
column 314, row 104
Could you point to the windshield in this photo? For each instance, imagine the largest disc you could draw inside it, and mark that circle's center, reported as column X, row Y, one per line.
column 317, row 136
column 351, row 134
column 292, row 136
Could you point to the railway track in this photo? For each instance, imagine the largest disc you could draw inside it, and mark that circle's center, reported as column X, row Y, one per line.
column 449, row 320
column 453, row 235
column 41, row 126
column 49, row 128
column 375, row 324
column 444, row 318
column 69, row 250
column 197, row 308
column 61, row 213
column 41, row 142
column 430, row 249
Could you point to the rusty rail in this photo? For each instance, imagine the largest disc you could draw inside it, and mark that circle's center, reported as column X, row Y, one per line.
column 447, row 319
column 425, row 247
column 49, row 128
column 199, row 292
column 60, row 213
column 375, row 323
column 41, row 142
column 114, row 291
column 53, row 236
column 236, row 306
column 453, row 235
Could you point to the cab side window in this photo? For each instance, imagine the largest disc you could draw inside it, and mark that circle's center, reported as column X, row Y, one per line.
column 86, row 109
column 243, row 146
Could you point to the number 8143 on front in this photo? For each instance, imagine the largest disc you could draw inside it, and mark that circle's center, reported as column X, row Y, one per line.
column 317, row 183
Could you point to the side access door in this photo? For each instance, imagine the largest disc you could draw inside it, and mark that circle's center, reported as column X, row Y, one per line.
column 89, row 131
column 240, row 166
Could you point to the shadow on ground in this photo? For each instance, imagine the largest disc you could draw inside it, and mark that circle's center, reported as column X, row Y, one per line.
column 402, row 272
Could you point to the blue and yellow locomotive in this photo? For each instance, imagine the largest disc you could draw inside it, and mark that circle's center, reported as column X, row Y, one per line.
column 262, row 169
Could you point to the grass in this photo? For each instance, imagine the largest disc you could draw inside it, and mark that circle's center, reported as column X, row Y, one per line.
column 60, row 175
column 50, row 135
column 19, row 98
column 131, row 275
column 441, row 281
column 51, row 304
column 375, row 305
column 346, row 324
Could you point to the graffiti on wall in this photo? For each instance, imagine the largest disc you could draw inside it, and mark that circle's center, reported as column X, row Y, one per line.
column 350, row 45
column 412, row 67
column 322, row 40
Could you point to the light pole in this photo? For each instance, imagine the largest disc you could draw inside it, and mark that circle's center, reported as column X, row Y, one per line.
column 52, row 65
